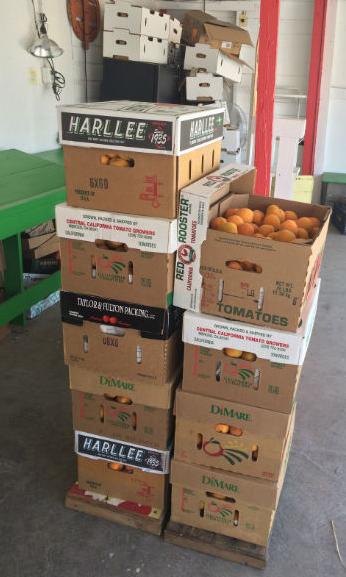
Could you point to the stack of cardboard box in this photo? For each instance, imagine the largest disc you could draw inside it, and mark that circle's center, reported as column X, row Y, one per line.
column 125, row 164
column 242, row 360
column 137, row 33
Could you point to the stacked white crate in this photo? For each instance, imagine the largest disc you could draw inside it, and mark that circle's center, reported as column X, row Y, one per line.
column 138, row 33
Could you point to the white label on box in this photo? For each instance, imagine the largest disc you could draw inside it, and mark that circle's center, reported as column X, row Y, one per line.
column 145, row 233
column 203, row 57
column 136, row 19
column 274, row 345
column 192, row 232
column 204, row 86
column 134, row 47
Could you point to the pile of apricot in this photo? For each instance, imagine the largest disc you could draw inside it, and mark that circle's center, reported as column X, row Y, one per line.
column 276, row 224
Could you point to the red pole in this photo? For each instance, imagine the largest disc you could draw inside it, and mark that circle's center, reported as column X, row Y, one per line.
column 267, row 53
column 316, row 60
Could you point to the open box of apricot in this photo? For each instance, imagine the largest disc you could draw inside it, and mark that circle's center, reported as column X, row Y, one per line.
column 246, row 257
column 244, row 363
column 230, row 436
column 226, row 503
column 134, row 157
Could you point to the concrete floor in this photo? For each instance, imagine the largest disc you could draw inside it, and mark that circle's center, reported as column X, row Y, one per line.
column 40, row 537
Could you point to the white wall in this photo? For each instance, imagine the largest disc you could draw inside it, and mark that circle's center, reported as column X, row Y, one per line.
column 335, row 142
column 28, row 117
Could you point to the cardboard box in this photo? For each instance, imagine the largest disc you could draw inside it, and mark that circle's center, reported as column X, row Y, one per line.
column 138, row 276
column 136, row 19
column 39, row 246
column 175, row 31
column 131, row 341
column 132, row 417
column 40, row 229
column 206, row 59
column 205, row 29
column 116, row 451
column 204, row 87
column 121, row 44
column 203, row 281
column 269, row 381
column 129, row 484
column 230, row 139
column 161, row 395
column 254, row 444
column 226, row 503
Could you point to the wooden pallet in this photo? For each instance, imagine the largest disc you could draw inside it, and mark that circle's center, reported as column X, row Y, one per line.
column 217, row 545
column 126, row 513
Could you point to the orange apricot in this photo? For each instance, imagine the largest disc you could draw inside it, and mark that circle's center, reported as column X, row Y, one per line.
column 235, row 265
column 228, row 227
column 116, row 466
column 222, row 428
column 304, row 222
column 233, row 353
column 302, row 233
column 236, row 431
column 273, row 209
column 285, row 236
column 315, row 221
column 281, row 215
column 249, row 356
column 246, row 214
column 314, row 231
column 230, row 212
column 272, row 235
column 259, row 235
column 290, row 215
column 258, row 217
column 289, row 225
column 258, row 268
column 104, row 159
column 266, row 229
column 246, row 264
column 215, row 223
column 272, row 219
column 236, row 219
column 255, row 226
column 246, row 229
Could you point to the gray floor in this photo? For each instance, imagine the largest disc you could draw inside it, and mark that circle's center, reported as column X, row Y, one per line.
column 39, row 536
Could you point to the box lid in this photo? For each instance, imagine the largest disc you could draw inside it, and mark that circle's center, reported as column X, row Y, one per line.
column 267, row 343
column 139, row 126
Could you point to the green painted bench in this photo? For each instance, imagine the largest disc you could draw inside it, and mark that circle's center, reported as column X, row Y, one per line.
column 30, row 187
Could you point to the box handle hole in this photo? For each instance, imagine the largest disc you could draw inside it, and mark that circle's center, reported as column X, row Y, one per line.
column 243, row 264
column 254, row 454
column 220, row 497
column 134, row 421
column 199, row 443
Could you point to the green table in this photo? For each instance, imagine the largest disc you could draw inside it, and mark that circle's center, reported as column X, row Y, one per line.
column 30, row 187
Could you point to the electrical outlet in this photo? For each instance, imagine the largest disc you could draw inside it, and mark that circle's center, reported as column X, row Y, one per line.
column 34, row 77
column 46, row 75
column 243, row 19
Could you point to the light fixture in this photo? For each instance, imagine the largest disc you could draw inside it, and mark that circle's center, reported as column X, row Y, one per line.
column 44, row 47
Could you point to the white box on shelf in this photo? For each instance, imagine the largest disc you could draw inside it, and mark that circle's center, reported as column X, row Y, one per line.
column 122, row 44
column 136, row 19
column 231, row 139
column 207, row 59
column 204, row 87
column 175, row 31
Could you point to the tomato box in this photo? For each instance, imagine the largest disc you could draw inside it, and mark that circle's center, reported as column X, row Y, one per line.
column 134, row 157
column 245, row 363
column 227, row 503
column 131, row 341
column 230, row 436
column 133, row 417
column 123, row 483
column 283, row 274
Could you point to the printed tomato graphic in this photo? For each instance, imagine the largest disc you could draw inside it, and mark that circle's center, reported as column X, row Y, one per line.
column 213, row 448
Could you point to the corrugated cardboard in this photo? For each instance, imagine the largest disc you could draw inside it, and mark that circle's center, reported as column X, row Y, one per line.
column 120, row 355
column 135, row 423
column 206, row 59
column 255, row 449
column 204, row 87
column 235, row 505
column 149, row 188
column 154, row 128
column 204, row 28
column 117, row 451
column 276, row 346
column 138, row 276
column 203, row 281
column 156, row 235
column 132, row 485
column 136, row 19
column 40, row 246
column 120, row 43
column 43, row 228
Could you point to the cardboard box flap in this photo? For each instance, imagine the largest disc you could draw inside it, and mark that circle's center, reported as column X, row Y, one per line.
column 144, row 233
column 211, row 410
column 139, row 126
column 218, row 29
column 115, row 315
column 242, row 488
column 267, row 343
